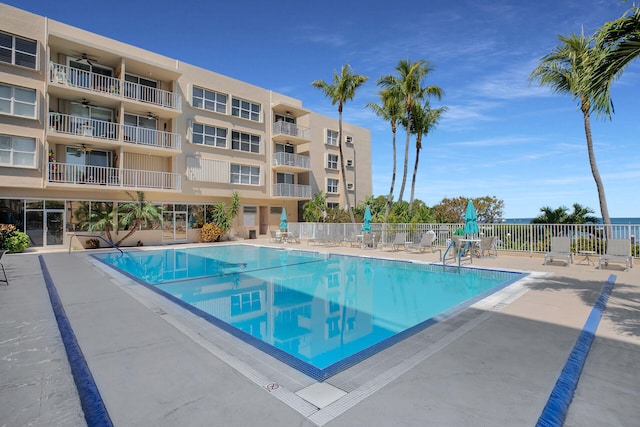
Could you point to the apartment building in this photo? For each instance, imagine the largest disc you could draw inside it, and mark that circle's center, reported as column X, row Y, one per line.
column 87, row 121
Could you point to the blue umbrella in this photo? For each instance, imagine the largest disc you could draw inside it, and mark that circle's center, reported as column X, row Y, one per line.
column 283, row 220
column 367, row 219
column 470, row 223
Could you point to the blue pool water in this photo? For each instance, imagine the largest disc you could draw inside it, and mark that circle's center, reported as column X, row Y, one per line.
column 317, row 312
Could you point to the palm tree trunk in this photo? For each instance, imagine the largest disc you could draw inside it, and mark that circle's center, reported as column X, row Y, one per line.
column 343, row 169
column 132, row 230
column 406, row 159
column 594, row 167
column 415, row 172
column 393, row 176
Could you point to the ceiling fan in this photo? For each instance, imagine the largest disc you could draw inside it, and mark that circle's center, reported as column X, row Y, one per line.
column 84, row 57
column 150, row 115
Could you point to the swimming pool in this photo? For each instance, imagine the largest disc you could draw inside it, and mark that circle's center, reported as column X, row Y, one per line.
column 317, row 312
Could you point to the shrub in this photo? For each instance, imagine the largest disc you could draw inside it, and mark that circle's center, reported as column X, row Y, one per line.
column 17, row 242
column 93, row 244
column 210, row 232
column 6, row 231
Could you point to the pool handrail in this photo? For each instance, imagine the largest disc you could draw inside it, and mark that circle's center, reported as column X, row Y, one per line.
column 94, row 236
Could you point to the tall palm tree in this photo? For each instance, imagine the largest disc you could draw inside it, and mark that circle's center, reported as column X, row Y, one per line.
column 342, row 89
column 568, row 69
column 425, row 119
column 407, row 86
column 137, row 212
column 391, row 111
column 619, row 42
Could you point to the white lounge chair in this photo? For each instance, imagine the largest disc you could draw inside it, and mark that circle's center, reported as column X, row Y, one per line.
column 560, row 248
column 369, row 240
column 276, row 237
column 398, row 242
column 617, row 250
column 427, row 241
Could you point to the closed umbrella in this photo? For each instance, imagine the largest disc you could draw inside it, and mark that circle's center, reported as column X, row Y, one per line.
column 470, row 220
column 367, row 219
column 283, row 220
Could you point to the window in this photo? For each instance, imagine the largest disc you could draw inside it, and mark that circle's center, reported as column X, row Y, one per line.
column 349, row 140
column 245, row 142
column 17, row 101
column 349, row 186
column 17, row 151
column 209, row 100
column 349, row 163
column 245, row 109
column 243, row 174
column 18, row 51
column 249, row 214
column 332, row 137
column 333, row 205
column 332, row 185
column 285, row 178
column 332, row 161
column 209, row 135
column 245, row 303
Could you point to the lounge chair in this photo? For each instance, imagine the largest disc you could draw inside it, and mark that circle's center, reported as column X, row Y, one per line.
column 487, row 244
column 427, row 241
column 276, row 237
column 398, row 242
column 617, row 250
column 560, row 248
column 6, row 280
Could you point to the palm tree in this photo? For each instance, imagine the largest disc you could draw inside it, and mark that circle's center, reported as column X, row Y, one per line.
column 581, row 215
column 568, row 69
column 100, row 217
column 137, row 212
column 390, row 110
column 342, row 89
column 407, row 87
column 551, row 216
column 315, row 209
column 424, row 119
column 619, row 42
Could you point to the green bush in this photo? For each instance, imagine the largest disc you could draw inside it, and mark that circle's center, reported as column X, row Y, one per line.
column 17, row 242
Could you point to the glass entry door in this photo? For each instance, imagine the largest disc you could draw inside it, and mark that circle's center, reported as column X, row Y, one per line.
column 174, row 223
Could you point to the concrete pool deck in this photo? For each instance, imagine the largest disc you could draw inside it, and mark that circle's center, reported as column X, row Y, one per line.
column 495, row 363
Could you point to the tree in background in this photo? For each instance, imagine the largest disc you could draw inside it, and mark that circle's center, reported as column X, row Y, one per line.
column 136, row 213
column 569, row 69
column 489, row 209
column 580, row 215
column 315, row 209
column 342, row 89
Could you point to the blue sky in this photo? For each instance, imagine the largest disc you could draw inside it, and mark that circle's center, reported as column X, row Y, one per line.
column 501, row 136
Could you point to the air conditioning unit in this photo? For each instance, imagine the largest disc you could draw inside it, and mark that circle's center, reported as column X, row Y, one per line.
column 349, row 186
column 349, row 162
column 349, row 140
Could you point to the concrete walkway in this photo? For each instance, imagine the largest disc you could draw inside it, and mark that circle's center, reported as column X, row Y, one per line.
column 493, row 364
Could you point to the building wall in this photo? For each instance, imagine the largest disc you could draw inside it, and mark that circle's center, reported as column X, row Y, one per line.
column 89, row 88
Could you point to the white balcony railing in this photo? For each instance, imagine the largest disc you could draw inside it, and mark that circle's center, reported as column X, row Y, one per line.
column 292, row 190
column 291, row 129
column 102, row 129
column 82, row 79
column 152, row 95
column 289, row 159
column 152, row 137
column 67, row 173
column 74, row 125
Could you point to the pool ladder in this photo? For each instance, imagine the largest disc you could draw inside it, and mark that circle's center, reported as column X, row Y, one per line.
column 463, row 250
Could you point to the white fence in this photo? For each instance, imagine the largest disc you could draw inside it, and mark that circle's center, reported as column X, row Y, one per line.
column 509, row 237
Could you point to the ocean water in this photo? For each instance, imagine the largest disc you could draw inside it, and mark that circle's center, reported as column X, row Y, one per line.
column 621, row 220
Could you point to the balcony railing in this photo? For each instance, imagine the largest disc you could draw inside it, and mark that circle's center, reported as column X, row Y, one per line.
column 292, row 190
column 152, row 95
column 291, row 129
column 102, row 129
column 74, row 125
column 67, row 173
column 289, row 159
column 82, row 79
column 152, row 137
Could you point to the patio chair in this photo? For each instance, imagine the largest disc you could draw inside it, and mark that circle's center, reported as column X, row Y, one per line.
column 487, row 244
column 617, row 250
column 369, row 240
column 276, row 237
column 6, row 280
column 560, row 248
column 398, row 242
column 427, row 241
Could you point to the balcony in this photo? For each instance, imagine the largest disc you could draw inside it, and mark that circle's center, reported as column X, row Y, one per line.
column 104, row 130
column 98, row 83
column 67, row 173
column 290, row 132
column 296, row 191
column 289, row 161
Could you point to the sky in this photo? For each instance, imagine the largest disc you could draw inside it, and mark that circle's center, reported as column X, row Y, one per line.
column 501, row 136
